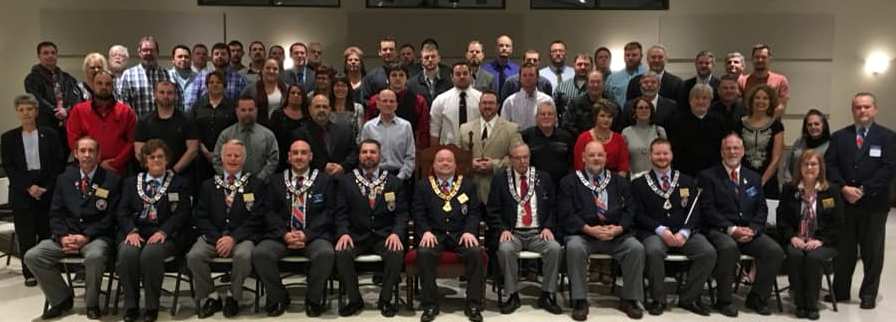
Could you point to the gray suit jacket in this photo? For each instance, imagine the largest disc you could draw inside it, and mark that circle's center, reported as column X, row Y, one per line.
column 496, row 147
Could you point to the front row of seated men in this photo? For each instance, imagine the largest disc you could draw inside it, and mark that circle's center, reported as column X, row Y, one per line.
column 327, row 219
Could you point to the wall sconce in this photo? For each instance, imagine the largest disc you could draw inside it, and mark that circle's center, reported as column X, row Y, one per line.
column 877, row 63
column 617, row 62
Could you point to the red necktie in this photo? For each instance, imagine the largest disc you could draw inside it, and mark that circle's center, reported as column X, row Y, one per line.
column 527, row 207
column 84, row 183
column 860, row 138
column 734, row 176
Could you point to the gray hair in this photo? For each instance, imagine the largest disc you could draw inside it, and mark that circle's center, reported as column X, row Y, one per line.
column 734, row 54
column 701, row 89
column 658, row 46
column 25, row 99
column 119, row 48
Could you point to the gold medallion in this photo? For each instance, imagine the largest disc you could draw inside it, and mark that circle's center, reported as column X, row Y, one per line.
column 447, row 206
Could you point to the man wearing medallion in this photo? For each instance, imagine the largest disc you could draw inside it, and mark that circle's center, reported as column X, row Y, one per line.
column 154, row 207
column 446, row 214
column 81, row 223
column 375, row 222
column 595, row 207
column 230, row 209
column 734, row 215
column 299, row 222
column 664, row 203
column 521, row 208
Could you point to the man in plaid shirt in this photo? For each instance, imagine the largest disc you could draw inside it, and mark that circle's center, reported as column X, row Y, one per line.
column 234, row 82
column 138, row 83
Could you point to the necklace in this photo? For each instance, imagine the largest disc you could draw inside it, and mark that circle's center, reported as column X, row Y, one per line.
column 370, row 188
column 294, row 190
column 152, row 200
column 663, row 194
column 530, row 179
column 600, row 187
column 451, row 192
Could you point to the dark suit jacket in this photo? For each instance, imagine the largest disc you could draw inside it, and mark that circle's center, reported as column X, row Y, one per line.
column 512, row 85
column 51, row 164
column 39, row 83
column 173, row 210
column 576, row 208
column 828, row 214
column 242, row 222
column 502, row 208
column 723, row 207
column 849, row 166
column 429, row 216
column 340, row 147
column 684, row 92
column 648, row 206
column 417, row 84
column 669, row 86
column 322, row 202
column 664, row 113
column 71, row 213
column 290, row 77
column 360, row 221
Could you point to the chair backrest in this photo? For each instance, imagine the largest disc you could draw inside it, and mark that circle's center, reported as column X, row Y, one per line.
column 425, row 158
column 772, row 205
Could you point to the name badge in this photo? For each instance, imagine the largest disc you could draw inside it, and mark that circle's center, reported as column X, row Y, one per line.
column 248, row 197
column 173, row 197
column 101, row 193
column 827, row 203
column 752, row 192
column 463, row 198
column 874, row 152
column 389, row 196
column 684, row 192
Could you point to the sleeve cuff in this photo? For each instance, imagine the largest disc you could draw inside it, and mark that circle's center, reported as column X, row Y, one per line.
column 731, row 229
column 686, row 233
column 659, row 230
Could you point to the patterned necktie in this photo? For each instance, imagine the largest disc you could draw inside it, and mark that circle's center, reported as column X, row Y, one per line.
column 527, row 207
column 298, row 207
column 85, row 182
column 860, row 138
column 807, row 224
column 151, row 190
column 228, row 199
column 445, row 187
column 735, row 181
column 600, row 204
column 666, row 184
column 462, row 109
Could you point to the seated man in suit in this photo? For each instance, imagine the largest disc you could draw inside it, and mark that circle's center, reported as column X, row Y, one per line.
column 521, row 208
column 227, row 216
column 734, row 216
column 664, row 203
column 303, row 202
column 489, row 138
column 154, row 206
column 81, row 223
column 597, row 219
column 375, row 222
column 333, row 144
column 446, row 214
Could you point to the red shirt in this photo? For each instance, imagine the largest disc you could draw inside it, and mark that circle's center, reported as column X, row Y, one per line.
column 112, row 126
column 617, row 152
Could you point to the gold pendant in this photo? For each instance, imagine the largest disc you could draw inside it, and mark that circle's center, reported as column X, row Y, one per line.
column 447, row 206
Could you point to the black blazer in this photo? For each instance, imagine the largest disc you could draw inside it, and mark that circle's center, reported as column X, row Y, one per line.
column 51, row 164
column 242, row 222
column 648, row 206
column 669, row 86
column 429, row 216
column 849, row 166
column 828, row 214
column 502, row 208
column 321, row 205
column 663, row 115
column 360, row 221
column 722, row 207
column 173, row 210
column 93, row 216
column 417, row 84
column 684, row 93
column 576, row 208
column 342, row 145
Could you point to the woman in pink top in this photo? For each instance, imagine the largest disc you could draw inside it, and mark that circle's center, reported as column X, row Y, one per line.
column 614, row 143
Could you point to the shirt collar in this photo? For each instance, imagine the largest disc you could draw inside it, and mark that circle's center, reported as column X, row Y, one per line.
column 237, row 175
column 489, row 124
column 659, row 173
column 244, row 128
column 304, row 174
column 449, row 180
column 156, row 179
column 728, row 169
column 89, row 175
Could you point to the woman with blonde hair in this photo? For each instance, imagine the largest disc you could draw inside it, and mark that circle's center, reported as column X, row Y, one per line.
column 93, row 64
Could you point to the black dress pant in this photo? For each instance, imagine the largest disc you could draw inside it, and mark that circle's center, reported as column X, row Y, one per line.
column 768, row 256
column 428, row 261
column 32, row 225
column 863, row 233
column 392, row 263
column 804, row 270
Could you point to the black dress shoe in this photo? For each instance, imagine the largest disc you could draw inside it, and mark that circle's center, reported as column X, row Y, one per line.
column 429, row 314
column 150, row 315
column 93, row 313
column 801, row 313
column 631, row 309
column 30, row 282
column 313, row 310
column 547, row 302
column 58, row 310
column 695, row 307
column 512, row 303
column 277, row 309
column 131, row 315
column 727, row 309
column 473, row 312
column 812, row 314
column 868, row 304
column 580, row 310
column 351, row 308
column 231, row 307
column 387, row 309
column 210, row 307
column 656, row 307
column 828, row 298
column 756, row 304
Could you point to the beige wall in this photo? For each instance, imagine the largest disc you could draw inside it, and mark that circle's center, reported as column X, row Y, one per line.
column 819, row 44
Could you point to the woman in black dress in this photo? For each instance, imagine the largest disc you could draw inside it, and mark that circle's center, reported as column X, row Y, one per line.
column 763, row 137
column 212, row 114
column 285, row 120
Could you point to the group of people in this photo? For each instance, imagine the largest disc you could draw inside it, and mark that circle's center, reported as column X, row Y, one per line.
column 255, row 163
